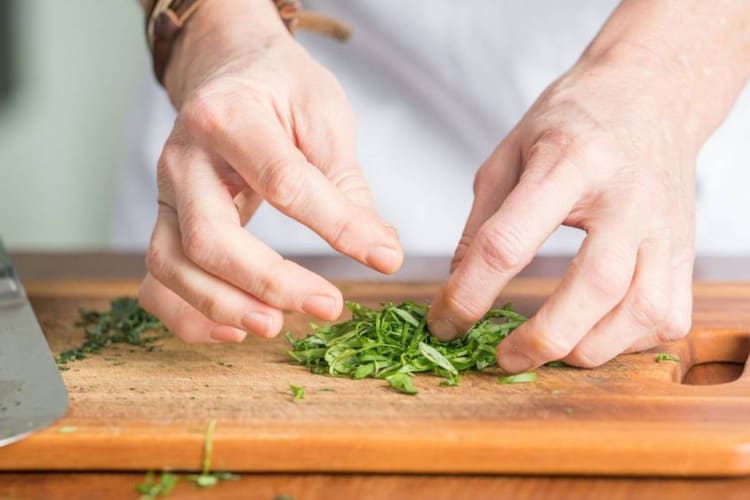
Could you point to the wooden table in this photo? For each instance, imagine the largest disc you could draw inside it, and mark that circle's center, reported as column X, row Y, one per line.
column 325, row 486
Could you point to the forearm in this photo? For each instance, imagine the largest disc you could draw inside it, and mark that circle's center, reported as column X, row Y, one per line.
column 703, row 45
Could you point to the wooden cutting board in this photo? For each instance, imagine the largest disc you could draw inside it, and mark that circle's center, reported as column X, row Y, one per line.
column 139, row 410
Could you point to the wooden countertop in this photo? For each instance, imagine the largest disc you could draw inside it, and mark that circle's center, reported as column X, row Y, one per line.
column 39, row 266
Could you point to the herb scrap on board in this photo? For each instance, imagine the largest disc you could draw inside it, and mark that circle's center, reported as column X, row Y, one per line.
column 125, row 322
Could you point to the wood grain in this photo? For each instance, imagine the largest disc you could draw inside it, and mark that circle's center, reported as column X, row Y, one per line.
column 138, row 410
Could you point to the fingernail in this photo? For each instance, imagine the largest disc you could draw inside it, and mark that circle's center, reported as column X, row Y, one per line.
column 514, row 362
column 224, row 333
column 257, row 322
column 322, row 306
column 383, row 257
column 443, row 329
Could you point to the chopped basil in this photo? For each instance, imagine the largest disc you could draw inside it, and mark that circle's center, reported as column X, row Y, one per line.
column 394, row 342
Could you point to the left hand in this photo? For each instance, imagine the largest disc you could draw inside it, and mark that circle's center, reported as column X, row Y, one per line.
column 605, row 149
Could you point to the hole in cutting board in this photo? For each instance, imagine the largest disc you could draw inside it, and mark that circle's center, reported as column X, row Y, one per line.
column 713, row 373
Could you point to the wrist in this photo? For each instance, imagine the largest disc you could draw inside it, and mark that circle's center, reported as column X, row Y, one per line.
column 658, row 88
column 692, row 56
column 219, row 30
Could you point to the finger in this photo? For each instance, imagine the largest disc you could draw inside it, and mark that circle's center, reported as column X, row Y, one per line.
column 327, row 138
column 271, row 164
column 180, row 318
column 507, row 241
column 492, row 184
column 219, row 301
column 640, row 315
column 593, row 285
column 212, row 238
column 678, row 318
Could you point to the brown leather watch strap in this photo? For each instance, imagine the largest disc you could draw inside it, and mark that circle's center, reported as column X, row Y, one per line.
column 166, row 18
column 165, row 21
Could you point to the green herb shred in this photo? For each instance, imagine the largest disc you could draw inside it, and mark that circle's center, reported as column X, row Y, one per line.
column 151, row 488
column 206, row 478
column 664, row 356
column 401, row 382
column 298, row 393
column 393, row 343
column 518, row 378
column 125, row 322
column 557, row 364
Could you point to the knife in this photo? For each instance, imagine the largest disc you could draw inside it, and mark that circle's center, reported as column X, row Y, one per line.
column 32, row 392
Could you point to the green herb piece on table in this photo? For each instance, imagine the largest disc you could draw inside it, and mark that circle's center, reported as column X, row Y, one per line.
column 67, row 429
column 557, row 364
column 518, row 378
column 402, row 383
column 150, row 488
column 298, row 393
column 206, row 478
column 393, row 343
column 661, row 357
column 125, row 322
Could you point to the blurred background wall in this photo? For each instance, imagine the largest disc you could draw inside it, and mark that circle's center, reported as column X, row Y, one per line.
column 73, row 67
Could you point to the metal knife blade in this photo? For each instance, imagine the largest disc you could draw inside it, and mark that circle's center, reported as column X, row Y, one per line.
column 32, row 392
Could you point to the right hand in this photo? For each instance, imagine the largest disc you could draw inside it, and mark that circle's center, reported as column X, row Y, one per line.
column 258, row 119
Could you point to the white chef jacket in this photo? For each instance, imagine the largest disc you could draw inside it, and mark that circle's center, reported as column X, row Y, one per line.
column 435, row 86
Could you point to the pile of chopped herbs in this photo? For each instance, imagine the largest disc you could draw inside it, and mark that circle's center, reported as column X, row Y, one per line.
column 394, row 342
column 125, row 322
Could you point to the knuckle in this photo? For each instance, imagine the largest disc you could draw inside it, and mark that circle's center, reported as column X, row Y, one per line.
column 502, row 249
column 204, row 112
column 197, row 243
column 349, row 180
column 676, row 326
column 468, row 311
column 649, row 309
column 557, row 137
column 562, row 155
column 341, row 235
column 461, row 249
column 584, row 356
column 211, row 307
column 553, row 144
column 165, row 167
column 606, row 275
column 188, row 336
column 550, row 347
column 266, row 286
column 281, row 184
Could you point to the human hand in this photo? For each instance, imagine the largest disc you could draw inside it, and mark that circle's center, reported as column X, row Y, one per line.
column 605, row 149
column 258, row 119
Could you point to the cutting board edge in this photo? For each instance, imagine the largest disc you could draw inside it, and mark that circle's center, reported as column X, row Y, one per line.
column 554, row 452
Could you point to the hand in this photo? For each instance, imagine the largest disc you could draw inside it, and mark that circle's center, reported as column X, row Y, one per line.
column 258, row 120
column 604, row 149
